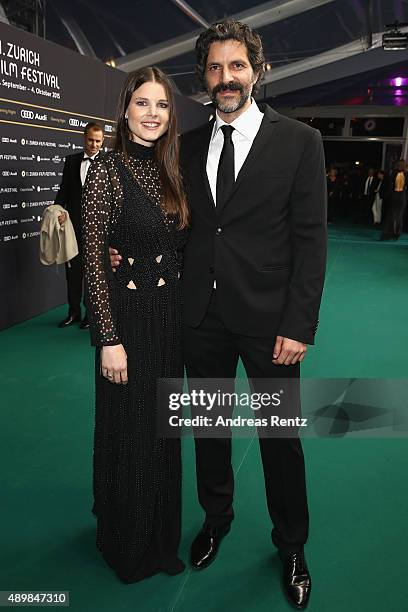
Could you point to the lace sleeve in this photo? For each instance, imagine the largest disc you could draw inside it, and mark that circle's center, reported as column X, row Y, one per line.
column 97, row 207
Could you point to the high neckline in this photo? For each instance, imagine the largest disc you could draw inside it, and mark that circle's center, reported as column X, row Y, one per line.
column 139, row 150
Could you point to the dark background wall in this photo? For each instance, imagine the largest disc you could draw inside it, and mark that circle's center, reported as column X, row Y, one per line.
column 47, row 95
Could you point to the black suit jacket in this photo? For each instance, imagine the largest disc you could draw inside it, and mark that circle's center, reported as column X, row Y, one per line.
column 266, row 247
column 373, row 186
column 384, row 188
column 70, row 191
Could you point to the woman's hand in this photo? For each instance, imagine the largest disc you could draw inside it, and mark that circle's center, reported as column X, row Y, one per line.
column 115, row 258
column 114, row 364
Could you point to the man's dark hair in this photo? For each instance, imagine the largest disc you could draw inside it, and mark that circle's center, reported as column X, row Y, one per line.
column 93, row 126
column 229, row 29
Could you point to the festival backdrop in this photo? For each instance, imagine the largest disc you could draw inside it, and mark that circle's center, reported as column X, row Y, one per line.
column 47, row 95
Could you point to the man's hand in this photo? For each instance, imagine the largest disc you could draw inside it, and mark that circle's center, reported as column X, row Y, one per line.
column 287, row 351
column 115, row 258
column 62, row 218
column 114, row 364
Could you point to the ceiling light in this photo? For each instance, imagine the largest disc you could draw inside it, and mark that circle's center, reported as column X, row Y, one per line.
column 395, row 40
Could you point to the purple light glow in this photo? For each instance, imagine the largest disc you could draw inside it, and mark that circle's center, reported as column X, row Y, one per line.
column 399, row 101
column 399, row 81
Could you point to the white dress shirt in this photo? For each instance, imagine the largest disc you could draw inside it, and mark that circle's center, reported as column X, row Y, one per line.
column 246, row 127
column 368, row 184
column 85, row 163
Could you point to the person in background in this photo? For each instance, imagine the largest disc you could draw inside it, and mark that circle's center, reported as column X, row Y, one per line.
column 369, row 187
column 333, row 193
column 380, row 193
column 346, row 197
column 357, row 189
column 69, row 196
column 396, row 203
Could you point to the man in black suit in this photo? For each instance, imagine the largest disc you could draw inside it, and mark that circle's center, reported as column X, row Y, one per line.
column 369, row 187
column 69, row 196
column 253, row 276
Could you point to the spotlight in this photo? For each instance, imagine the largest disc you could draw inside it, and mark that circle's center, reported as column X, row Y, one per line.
column 111, row 63
column 395, row 40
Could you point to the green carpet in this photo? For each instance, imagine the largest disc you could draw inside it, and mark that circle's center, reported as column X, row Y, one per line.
column 357, row 493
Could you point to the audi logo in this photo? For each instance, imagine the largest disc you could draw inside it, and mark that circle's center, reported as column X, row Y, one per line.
column 27, row 114
column 74, row 122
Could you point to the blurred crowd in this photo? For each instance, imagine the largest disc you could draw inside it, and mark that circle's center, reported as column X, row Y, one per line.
column 369, row 197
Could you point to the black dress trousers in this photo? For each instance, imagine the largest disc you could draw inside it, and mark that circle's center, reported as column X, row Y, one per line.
column 74, row 271
column 211, row 351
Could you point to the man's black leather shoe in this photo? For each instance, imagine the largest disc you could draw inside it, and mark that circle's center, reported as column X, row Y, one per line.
column 84, row 324
column 205, row 547
column 296, row 580
column 70, row 320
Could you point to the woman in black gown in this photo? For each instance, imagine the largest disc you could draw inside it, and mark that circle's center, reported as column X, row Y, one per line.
column 133, row 200
column 396, row 203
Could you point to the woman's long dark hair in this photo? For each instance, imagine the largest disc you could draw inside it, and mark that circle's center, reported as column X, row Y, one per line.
column 166, row 148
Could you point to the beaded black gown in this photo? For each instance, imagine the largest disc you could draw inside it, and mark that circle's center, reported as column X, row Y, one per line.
column 137, row 475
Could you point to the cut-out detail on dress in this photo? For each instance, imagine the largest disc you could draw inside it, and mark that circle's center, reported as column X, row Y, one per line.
column 178, row 274
column 131, row 285
column 131, row 260
column 159, row 258
column 161, row 282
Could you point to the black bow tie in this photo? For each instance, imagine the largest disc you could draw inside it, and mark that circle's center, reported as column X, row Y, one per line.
column 87, row 158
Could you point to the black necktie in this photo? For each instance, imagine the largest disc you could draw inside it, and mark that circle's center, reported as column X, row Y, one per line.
column 226, row 170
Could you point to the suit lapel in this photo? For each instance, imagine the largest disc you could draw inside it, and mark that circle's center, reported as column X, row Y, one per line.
column 77, row 170
column 203, row 163
column 261, row 142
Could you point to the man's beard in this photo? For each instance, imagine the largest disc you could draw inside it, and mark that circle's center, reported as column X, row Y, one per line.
column 230, row 106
